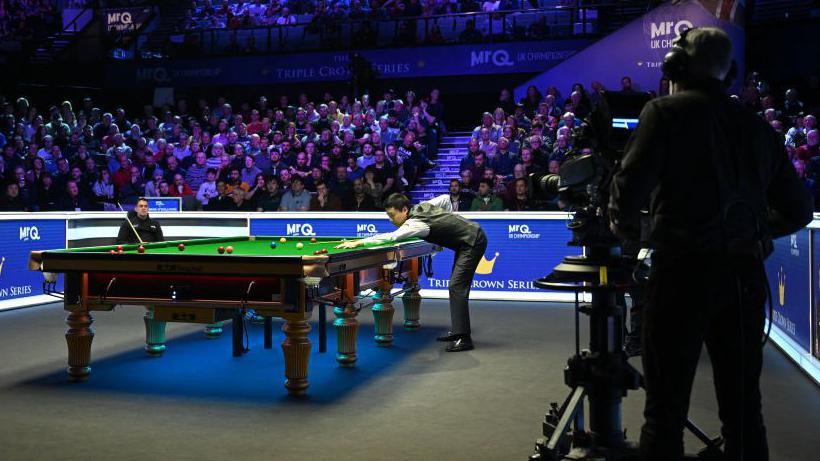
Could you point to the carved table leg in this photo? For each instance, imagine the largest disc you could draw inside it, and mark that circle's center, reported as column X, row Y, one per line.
column 154, row 334
column 383, row 314
column 79, row 337
column 347, row 327
column 296, row 348
column 412, row 306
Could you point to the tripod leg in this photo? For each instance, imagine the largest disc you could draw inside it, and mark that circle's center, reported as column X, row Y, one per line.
column 572, row 406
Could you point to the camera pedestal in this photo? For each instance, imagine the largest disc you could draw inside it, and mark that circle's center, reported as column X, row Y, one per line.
column 601, row 375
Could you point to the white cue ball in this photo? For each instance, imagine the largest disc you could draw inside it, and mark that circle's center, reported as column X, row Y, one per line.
column 300, row 245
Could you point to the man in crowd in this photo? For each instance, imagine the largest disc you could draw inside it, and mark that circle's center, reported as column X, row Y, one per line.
column 297, row 198
column 486, row 200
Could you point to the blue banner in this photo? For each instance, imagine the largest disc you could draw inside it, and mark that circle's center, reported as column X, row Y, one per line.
column 786, row 268
column 637, row 49
column 476, row 59
column 518, row 251
column 17, row 239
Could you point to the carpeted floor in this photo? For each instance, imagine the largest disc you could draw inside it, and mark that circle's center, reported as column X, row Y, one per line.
column 409, row 402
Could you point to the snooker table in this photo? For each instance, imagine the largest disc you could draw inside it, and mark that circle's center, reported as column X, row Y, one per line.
column 198, row 284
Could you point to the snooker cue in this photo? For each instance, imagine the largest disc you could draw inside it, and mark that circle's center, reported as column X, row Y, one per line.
column 130, row 224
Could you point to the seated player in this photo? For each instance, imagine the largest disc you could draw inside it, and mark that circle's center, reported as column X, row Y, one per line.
column 148, row 229
column 435, row 222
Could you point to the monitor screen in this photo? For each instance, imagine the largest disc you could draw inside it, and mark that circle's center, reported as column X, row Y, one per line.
column 164, row 204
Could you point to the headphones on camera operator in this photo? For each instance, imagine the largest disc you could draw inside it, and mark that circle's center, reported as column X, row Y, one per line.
column 744, row 226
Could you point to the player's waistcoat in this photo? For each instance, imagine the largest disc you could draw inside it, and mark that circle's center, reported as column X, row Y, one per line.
column 446, row 229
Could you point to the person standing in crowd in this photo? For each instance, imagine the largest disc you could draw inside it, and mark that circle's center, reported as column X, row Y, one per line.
column 713, row 237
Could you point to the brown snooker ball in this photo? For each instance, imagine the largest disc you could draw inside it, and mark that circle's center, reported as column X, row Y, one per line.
column 313, row 240
column 181, row 247
column 140, row 249
column 221, row 250
column 229, row 249
column 317, row 252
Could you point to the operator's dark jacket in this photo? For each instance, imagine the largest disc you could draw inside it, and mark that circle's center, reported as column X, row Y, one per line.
column 149, row 230
column 669, row 159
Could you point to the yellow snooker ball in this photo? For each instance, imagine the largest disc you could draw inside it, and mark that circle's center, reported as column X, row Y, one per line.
column 299, row 246
column 283, row 240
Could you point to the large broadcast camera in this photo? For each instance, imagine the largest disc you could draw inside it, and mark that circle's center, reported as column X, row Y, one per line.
column 599, row 375
column 582, row 182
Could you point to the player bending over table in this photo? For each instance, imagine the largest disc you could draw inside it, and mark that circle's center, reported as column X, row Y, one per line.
column 435, row 222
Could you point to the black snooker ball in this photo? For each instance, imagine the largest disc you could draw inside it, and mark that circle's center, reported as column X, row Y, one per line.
column 140, row 249
column 221, row 250
column 273, row 244
column 181, row 247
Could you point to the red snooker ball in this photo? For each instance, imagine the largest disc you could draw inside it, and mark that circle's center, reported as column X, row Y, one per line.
column 229, row 250
column 181, row 247
column 119, row 247
column 140, row 249
column 221, row 250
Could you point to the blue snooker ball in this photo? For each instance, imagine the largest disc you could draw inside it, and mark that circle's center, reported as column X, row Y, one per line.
column 273, row 244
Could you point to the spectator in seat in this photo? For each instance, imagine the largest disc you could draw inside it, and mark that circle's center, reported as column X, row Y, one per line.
column 324, row 200
column 485, row 143
column 473, row 150
column 530, row 165
column 11, row 200
column 270, row 199
column 485, row 200
column 340, row 185
column 354, row 171
column 560, row 150
column 487, row 122
column 316, row 176
column 367, row 157
column 234, row 181
column 180, row 187
column 250, row 171
column 504, row 159
column 223, row 201
column 360, row 198
column 467, row 182
column 626, row 86
column 375, row 187
column 297, row 198
column 470, row 34
column 520, row 200
column 207, row 189
column 460, row 198
column 258, row 188
column 133, row 189
column 47, row 194
column 239, row 202
column 72, row 200
column 385, row 173
column 197, row 172
column 173, row 169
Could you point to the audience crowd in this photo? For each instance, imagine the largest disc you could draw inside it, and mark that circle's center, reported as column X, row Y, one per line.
column 332, row 154
column 538, row 133
column 25, row 19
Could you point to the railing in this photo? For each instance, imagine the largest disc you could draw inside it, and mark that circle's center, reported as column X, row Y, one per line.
column 379, row 33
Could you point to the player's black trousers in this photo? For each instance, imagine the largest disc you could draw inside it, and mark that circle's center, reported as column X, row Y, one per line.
column 691, row 301
column 464, row 264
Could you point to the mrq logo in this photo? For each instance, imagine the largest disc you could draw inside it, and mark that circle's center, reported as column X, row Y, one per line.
column 662, row 34
column 29, row 233
column 498, row 58
column 300, row 229
column 366, row 230
column 521, row 231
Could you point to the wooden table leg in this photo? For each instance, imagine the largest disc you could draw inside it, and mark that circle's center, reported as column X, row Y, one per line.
column 347, row 326
column 383, row 311
column 296, row 348
column 412, row 299
column 79, row 336
column 154, row 334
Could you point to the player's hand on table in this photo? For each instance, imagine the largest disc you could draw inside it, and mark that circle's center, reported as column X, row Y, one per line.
column 350, row 244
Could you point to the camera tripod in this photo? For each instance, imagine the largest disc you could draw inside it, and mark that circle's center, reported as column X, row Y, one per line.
column 600, row 375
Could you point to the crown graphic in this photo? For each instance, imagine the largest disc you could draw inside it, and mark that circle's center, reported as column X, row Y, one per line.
column 781, row 286
column 486, row 267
